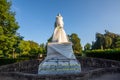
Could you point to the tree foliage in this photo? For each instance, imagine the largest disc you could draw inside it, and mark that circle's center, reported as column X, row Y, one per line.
column 30, row 48
column 9, row 38
column 11, row 42
column 108, row 40
column 87, row 46
column 117, row 43
column 76, row 43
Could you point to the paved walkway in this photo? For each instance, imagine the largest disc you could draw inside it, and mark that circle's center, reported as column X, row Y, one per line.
column 108, row 77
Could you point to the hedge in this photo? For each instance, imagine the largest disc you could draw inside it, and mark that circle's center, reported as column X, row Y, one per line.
column 5, row 61
column 113, row 54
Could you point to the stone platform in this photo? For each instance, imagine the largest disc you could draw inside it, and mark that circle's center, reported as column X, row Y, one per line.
column 60, row 59
column 59, row 66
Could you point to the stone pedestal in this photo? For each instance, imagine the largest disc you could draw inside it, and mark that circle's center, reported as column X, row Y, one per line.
column 59, row 60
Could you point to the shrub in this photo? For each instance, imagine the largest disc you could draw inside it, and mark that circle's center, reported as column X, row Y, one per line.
column 113, row 54
column 5, row 61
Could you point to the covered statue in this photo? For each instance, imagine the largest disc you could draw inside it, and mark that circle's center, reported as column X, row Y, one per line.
column 60, row 58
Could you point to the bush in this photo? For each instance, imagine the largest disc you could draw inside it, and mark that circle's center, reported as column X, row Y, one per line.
column 5, row 61
column 113, row 54
column 77, row 55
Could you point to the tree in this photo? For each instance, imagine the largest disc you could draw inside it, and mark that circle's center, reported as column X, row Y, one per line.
column 24, row 47
column 76, row 43
column 8, row 28
column 50, row 39
column 100, row 40
column 108, row 40
column 43, row 49
column 30, row 49
column 118, row 42
column 34, row 48
column 87, row 46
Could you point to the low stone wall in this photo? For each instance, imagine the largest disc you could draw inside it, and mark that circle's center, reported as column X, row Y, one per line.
column 30, row 66
column 97, row 62
column 27, row 70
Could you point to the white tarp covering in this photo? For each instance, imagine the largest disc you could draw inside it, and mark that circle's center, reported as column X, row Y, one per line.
column 64, row 50
column 59, row 35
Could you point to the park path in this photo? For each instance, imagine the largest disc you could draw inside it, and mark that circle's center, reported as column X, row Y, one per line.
column 108, row 77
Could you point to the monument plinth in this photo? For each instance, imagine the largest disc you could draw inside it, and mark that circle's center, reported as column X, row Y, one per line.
column 60, row 57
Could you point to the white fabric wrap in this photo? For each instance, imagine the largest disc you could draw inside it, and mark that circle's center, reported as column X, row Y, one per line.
column 60, row 51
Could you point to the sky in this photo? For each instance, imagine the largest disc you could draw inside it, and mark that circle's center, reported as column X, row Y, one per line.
column 36, row 18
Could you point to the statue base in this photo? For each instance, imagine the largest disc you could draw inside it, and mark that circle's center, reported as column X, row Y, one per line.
column 59, row 66
column 60, row 60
